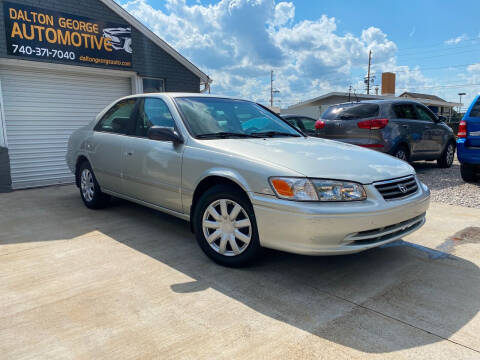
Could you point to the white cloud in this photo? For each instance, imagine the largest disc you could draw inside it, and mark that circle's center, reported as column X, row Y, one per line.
column 238, row 42
column 284, row 12
column 457, row 40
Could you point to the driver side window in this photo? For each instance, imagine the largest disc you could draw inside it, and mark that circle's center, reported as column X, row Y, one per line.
column 152, row 112
column 425, row 115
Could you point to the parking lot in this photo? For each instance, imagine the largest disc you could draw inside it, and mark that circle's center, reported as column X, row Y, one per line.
column 447, row 185
column 130, row 282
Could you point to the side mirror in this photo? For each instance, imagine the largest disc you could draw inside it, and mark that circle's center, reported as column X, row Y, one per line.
column 442, row 118
column 164, row 133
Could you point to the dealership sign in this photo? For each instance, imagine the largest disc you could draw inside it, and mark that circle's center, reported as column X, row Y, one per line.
column 43, row 34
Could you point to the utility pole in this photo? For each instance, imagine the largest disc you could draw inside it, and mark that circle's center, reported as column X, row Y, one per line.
column 271, row 88
column 349, row 92
column 368, row 74
column 460, row 106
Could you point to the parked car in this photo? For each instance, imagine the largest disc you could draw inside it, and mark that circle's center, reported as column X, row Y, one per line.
column 468, row 143
column 405, row 129
column 304, row 123
column 243, row 187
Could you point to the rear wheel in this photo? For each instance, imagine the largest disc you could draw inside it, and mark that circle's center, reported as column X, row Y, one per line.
column 92, row 196
column 401, row 153
column 225, row 226
column 468, row 172
column 446, row 159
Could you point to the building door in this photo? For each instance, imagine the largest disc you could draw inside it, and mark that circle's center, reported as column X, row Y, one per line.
column 42, row 108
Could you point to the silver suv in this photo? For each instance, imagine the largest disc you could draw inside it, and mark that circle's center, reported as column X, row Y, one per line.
column 244, row 177
column 402, row 128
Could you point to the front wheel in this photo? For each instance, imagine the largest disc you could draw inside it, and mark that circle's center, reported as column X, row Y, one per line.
column 225, row 226
column 92, row 196
column 468, row 172
column 446, row 159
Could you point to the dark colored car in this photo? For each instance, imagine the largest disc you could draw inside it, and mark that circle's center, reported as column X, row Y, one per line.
column 402, row 128
column 468, row 143
column 304, row 123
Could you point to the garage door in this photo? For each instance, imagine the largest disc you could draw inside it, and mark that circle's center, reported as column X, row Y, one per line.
column 42, row 109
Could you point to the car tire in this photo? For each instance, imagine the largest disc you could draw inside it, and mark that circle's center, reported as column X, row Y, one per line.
column 448, row 154
column 401, row 152
column 468, row 172
column 92, row 196
column 222, row 212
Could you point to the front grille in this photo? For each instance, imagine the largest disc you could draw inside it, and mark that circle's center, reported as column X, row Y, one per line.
column 397, row 188
column 391, row 232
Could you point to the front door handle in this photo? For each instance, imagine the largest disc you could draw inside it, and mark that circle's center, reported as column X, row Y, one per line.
column 129, row 153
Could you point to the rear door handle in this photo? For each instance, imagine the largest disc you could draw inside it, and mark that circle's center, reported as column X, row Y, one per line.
column 129, row 153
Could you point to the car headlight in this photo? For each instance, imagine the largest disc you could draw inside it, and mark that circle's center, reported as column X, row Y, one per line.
column 303, row 189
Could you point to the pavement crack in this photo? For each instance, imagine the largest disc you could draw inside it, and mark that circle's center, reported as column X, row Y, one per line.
column 395, row 319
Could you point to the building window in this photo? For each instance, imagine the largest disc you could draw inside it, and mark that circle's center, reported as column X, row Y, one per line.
column 151, row 85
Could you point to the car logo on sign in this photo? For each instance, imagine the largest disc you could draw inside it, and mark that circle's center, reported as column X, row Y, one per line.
column 402, row 188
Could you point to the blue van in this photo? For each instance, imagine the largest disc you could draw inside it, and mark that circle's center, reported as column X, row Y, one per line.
column 468, row 143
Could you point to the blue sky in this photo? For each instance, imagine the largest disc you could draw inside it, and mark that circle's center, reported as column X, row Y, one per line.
column 321, row 46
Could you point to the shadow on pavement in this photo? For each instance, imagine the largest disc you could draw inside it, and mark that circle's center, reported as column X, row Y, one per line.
column 383, row 300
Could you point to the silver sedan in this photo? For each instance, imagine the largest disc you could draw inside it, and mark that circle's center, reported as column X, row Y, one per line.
column 244, row 177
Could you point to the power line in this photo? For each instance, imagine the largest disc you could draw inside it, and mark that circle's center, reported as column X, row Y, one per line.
column 460, row 45
column 435, row 44
column 439, row 86
column 434, row 68
column 440, row 54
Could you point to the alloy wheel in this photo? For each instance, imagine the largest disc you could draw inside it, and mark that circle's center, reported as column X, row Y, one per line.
column 401, row 154
column 87, row 185
column 450, row 154
column 227, row 227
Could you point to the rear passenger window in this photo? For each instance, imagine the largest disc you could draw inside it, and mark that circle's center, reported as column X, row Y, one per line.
column 405, row 111
column 475, row 112
column 117, row 118
column 351, row 111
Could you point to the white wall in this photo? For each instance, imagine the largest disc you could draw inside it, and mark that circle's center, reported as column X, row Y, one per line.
column 310, row 111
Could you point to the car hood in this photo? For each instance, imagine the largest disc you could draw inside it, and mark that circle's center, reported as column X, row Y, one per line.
column 317, row 158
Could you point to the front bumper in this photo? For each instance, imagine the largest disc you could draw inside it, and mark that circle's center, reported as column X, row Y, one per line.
column 313, row 228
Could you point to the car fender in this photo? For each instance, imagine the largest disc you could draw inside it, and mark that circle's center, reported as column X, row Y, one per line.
column 401, row 140
column 229, row 174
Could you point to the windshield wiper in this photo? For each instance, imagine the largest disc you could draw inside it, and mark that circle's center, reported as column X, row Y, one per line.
column 222, row 135
column 273, row 133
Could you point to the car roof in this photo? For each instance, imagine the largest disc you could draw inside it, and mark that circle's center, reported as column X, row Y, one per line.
column 295, row 115
column 182, row 94
column 381, row 101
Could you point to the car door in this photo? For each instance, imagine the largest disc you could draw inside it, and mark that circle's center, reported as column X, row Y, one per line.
column 105, row 146
column 433, row 139
column 410, row 127
column 152, row 168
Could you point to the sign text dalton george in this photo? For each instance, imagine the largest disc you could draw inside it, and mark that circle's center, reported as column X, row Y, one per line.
column 45, row 34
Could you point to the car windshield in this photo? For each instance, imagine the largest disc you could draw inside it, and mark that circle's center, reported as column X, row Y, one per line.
column 209, row 117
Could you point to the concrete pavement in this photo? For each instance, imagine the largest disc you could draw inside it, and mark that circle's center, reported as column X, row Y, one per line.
column 129, row 282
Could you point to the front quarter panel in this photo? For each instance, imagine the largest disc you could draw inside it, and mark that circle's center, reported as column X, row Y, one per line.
column 251, row 175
